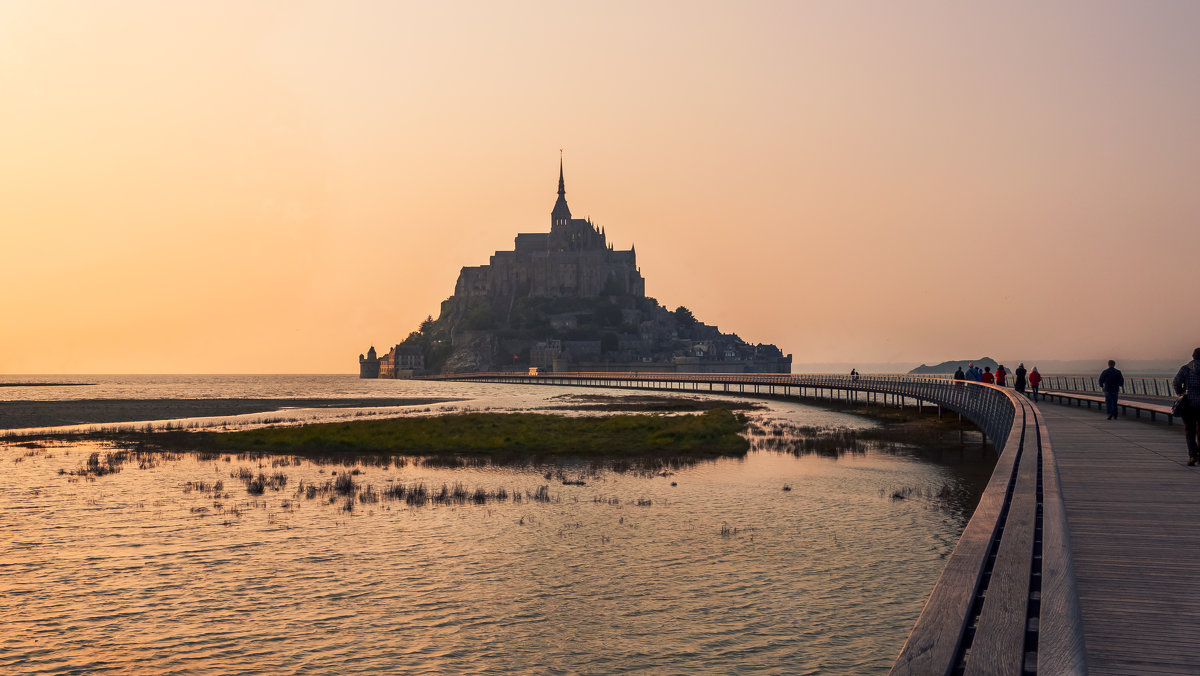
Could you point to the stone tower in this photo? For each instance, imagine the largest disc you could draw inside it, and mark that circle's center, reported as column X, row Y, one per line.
column 572, row 260
column 368, row 366
column 571, row 234
column 561, row 215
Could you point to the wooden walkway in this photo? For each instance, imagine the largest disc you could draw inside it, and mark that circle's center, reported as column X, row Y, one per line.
column 1133, row 509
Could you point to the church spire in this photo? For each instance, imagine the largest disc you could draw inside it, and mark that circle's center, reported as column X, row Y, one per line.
column 561, row 214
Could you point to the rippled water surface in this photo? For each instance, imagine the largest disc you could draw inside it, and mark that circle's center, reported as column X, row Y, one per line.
column 710, row 567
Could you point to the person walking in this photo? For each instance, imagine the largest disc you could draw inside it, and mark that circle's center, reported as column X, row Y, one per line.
column 1187, row 383
column 987, row 376
column 972, row 372
column 1111, row 381
column 959, row 375
column 1035, row 379
column 1019, row 384
column 1001, row 375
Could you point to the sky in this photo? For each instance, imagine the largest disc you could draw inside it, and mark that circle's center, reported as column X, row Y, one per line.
column 273, row 187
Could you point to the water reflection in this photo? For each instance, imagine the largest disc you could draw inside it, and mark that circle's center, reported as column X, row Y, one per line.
column 226, row 563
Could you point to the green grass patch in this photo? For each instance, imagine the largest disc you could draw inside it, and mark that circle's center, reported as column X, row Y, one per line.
column 710, row 434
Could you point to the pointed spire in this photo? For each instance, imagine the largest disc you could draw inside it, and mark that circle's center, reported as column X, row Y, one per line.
column 561, row 214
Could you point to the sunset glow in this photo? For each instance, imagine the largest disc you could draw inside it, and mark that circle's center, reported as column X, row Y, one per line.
column 271, row 187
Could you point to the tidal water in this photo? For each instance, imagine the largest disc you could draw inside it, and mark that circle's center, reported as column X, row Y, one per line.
column 704, row 567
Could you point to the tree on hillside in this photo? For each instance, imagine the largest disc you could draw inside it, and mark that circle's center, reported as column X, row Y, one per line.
column 684, row 317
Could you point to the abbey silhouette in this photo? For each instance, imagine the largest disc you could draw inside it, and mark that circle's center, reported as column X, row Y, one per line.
column 565, row 300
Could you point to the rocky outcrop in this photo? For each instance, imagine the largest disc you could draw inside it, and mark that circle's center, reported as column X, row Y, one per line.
column 475, row 351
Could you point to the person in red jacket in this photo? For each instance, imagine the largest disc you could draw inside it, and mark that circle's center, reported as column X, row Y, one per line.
column 988, row 376
column 1035, row 379
column 1001, row 374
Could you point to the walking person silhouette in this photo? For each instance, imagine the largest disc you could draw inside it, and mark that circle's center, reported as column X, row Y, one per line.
column 1187, row 383
column 1111, row 381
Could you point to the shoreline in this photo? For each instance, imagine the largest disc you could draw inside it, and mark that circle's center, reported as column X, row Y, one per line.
column 21, row 414
column 47, row 384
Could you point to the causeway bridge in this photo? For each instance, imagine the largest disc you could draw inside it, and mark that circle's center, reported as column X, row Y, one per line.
column 1079, row 557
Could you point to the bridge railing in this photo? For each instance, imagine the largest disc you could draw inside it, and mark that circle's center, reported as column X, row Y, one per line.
column 1147, row 386
column 1134, row 385
column 1006, row 601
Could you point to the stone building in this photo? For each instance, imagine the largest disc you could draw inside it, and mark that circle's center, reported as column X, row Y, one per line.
column 565, row 300
column 574, row 259
column 402, row 361
column 368, row 366
column 543, row 353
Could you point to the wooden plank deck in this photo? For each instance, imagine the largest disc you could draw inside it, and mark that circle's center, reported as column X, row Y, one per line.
column 1133, row 509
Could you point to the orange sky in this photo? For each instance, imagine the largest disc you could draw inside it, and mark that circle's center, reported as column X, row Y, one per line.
column 272, row 187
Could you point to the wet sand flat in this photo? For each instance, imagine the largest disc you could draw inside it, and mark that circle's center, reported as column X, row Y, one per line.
column 46, row 384
column 21, row 414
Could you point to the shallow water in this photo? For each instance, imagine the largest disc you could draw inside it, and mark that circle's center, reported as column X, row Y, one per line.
column 722, row 571
column 465, row 396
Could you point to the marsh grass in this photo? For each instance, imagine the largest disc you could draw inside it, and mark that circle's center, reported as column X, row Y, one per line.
column 454, row 439
column 942, row 493
column 413, row 495
column 257, row 484
column 101, row 464
column 345, row 484
column 641, row 402
column 204, row 487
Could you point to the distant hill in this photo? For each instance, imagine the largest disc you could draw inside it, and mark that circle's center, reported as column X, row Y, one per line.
column 950, row 366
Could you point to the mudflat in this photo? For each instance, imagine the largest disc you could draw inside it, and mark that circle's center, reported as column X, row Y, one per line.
column 45, row 384
column 21, row 414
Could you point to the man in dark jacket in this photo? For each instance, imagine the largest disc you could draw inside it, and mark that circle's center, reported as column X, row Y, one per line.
column 959, row 375
column 1187, row 382
column 1111, row 381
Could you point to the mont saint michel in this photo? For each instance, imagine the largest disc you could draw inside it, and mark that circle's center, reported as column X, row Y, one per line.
column 565, row 300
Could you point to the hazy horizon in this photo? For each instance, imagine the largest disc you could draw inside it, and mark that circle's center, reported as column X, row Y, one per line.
column 1148, row 367
column 274, row 187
